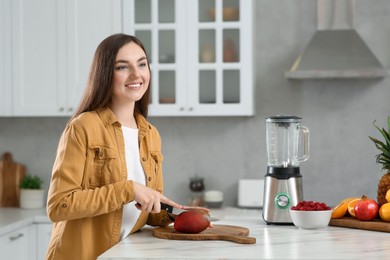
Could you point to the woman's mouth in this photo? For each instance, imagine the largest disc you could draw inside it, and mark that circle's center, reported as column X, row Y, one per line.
column 134, row 85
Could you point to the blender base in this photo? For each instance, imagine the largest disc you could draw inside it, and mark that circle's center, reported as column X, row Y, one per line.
column 279, row 196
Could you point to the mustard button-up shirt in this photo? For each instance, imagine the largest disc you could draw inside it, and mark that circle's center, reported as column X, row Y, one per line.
column 89, row 184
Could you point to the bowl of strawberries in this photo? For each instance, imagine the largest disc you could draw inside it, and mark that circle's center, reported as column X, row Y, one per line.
column 311, row 215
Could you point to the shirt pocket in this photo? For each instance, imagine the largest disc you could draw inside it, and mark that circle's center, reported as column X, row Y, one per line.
column 156, row 162
column 103, row 165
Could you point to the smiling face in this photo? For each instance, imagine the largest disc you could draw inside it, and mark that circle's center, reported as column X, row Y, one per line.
column 131, row 75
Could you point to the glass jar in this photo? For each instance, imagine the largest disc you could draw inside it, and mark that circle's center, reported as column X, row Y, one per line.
column 197, row 194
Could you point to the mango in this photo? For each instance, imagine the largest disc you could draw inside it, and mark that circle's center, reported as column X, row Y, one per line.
column 191, row 222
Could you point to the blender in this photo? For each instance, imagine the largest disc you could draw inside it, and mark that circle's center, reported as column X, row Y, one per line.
column 287, row 146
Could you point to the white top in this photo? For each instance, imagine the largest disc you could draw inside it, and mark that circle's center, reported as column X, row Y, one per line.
column 136, row 173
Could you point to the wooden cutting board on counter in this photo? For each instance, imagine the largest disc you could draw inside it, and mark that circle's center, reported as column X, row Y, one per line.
column 373, row 225
column 234, row 234
column 11, row 173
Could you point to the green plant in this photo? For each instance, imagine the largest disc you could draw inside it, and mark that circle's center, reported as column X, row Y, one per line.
column 31, row 182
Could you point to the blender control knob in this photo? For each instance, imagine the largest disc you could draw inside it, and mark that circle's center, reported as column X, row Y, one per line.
column 282, row 200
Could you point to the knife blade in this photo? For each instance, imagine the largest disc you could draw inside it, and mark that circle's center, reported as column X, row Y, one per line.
column 210, row 218
column 169, row 209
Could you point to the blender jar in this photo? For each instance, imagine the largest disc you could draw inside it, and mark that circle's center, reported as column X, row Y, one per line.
column 286, row 140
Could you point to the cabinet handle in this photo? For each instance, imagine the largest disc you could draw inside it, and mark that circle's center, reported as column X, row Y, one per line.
column 181, row 108
column 191, row 108
column 70, row 109
column 61, row 109
column 15, row 237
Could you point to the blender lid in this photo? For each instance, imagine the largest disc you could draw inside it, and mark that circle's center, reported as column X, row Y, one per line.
column 283, row 119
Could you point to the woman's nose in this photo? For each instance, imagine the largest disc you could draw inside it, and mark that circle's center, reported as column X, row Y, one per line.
column 134, row 74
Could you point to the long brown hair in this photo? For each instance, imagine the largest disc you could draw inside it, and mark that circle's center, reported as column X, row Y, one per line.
column 97, row 93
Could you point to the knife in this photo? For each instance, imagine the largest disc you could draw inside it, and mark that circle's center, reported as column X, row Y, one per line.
column 166, row 207
column 169, row 209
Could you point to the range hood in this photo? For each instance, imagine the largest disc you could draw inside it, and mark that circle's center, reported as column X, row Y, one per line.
column 336, row 50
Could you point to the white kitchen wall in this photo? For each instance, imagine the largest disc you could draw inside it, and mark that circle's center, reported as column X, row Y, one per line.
column 339, row 114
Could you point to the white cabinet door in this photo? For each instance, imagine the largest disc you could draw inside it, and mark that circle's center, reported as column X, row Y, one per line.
column 5, row 58
column 43, row 239
column 89, row 22
column 38, row 51
column 200, row 54
column 159, row 24
column 221, row 57
column 17, row 245
column 53, row 45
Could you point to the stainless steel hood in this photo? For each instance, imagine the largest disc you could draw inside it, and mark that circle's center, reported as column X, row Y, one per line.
column 336, row 50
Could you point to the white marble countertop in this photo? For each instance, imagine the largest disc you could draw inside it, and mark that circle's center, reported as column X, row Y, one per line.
column 272, row 242
column 14, row 218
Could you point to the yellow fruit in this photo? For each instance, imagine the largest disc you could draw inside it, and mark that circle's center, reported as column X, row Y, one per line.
column 384, row 211
column 351, row 206
column 340, row 209
column 388, row 196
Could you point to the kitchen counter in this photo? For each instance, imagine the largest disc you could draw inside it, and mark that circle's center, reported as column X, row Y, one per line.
column 14, row 218
column 272, row 242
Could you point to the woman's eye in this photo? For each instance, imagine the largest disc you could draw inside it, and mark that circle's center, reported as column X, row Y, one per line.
column 143, row 64
column 121, row 67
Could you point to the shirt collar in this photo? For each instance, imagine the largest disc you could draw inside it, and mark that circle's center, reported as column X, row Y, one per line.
column 143, row 125
column 109, row 118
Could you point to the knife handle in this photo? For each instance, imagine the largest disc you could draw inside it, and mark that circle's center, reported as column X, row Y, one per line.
column 166, row 207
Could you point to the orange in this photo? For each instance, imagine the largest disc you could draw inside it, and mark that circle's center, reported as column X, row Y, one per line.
column 384, row 212
column 388, row 196
column 340, row 209
column 351, row 206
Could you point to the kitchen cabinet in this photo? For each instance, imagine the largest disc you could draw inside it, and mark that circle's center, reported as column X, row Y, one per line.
column 38, row 37
column 43, row 239
column 18, row 244
column 5, row 68
column 24, row 233
column 200, row 53
column 53, row 42
column 89, row 22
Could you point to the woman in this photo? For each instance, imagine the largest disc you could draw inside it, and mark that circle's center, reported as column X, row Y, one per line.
column 107, row 178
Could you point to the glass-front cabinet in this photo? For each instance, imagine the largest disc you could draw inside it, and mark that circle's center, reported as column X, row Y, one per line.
column 200, row 53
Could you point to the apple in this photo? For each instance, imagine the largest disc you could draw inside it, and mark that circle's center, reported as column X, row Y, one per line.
column 366, row 209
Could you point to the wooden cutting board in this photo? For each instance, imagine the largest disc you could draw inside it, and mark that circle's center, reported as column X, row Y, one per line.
column 217, row 232
column 373, row 225
column 11, row 174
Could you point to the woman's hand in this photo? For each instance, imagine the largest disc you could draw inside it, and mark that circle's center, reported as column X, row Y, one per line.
column 196, row 208
column 149, row 200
